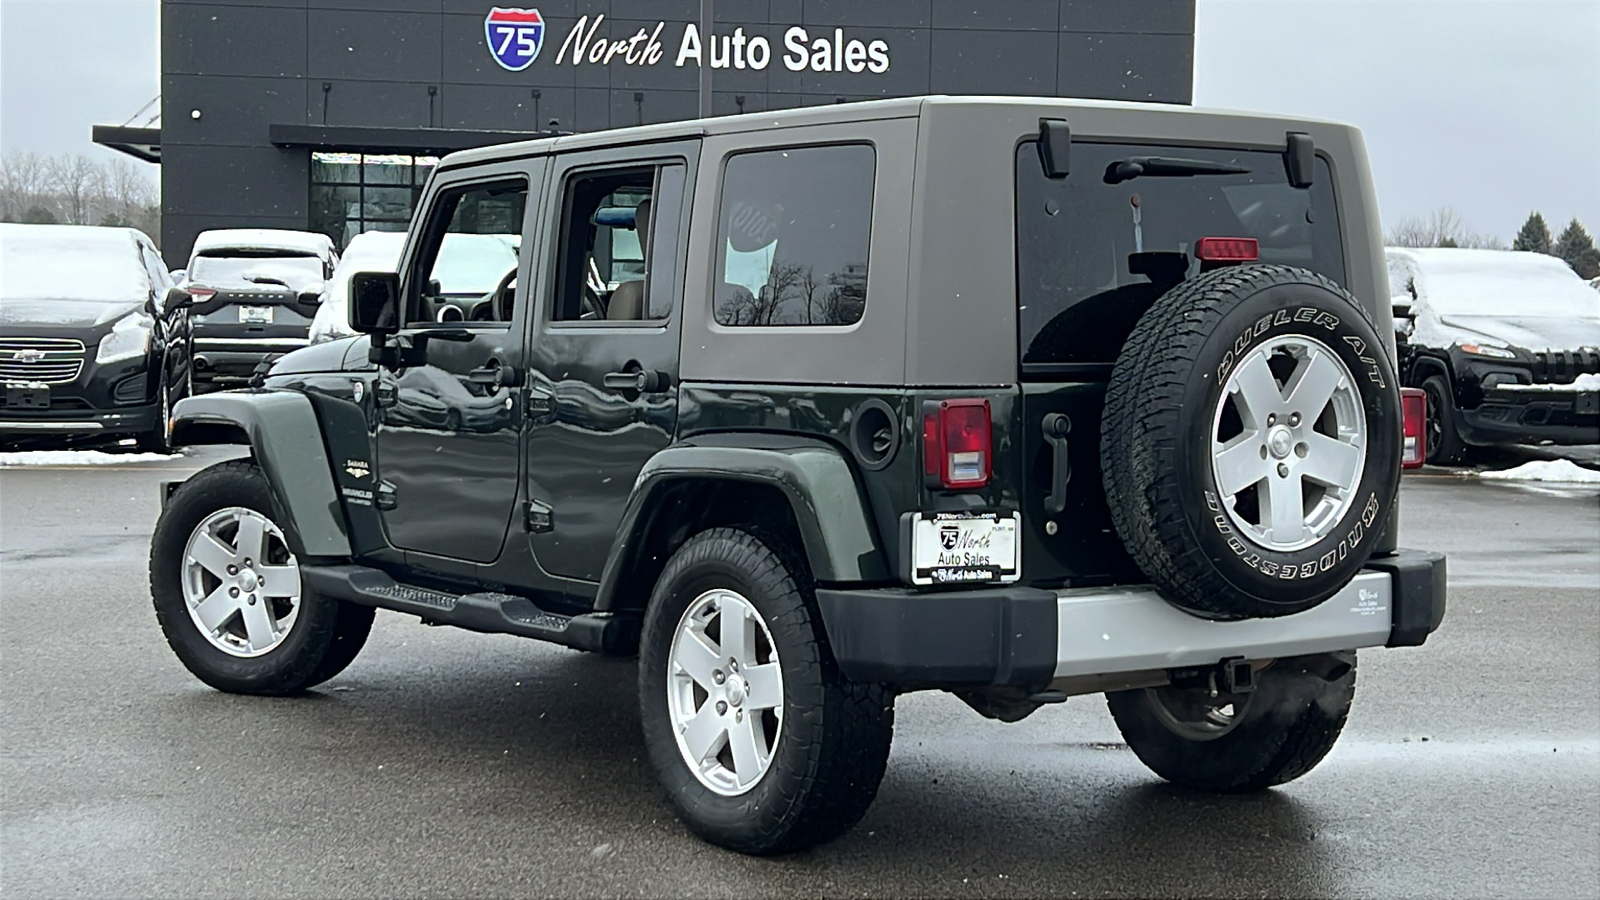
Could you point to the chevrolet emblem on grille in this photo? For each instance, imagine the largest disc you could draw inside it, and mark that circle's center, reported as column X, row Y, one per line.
column 28, row 356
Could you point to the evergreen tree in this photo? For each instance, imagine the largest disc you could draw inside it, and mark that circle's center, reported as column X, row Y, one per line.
column 38, row 215
column 1578, row 249
column 1534, row 236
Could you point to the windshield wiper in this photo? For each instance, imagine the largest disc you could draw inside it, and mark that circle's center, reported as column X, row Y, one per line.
column 1167, row 166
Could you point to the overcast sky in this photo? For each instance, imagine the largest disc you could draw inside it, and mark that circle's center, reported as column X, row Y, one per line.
column 1491, row 107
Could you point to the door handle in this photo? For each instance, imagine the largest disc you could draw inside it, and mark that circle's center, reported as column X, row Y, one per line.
column 1056, row 427
column 495, row 375
column 634, row 379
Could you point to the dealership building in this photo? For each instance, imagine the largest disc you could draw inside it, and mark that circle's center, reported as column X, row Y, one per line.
column 327, row 115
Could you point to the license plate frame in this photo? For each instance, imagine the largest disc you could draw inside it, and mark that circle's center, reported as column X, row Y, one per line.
column 255, row 315
column 27, row 396
column 966, row 547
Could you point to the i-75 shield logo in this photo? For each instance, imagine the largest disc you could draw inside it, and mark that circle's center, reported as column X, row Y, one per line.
column 515, row 36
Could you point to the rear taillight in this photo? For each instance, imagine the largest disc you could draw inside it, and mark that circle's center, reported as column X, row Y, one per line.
column 1414, row 413
column 202, row 293
column 957, row 443
column 1227, row 249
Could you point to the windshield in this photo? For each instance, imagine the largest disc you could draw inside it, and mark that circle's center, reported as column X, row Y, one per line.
column 1078, row 236
column 295, row 271
column 1503, row 284
column 68, row 262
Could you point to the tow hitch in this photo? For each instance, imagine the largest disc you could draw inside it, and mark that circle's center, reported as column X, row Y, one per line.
column 1231, row 676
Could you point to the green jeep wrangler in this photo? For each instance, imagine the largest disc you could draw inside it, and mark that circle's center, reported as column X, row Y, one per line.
column 1019, row 399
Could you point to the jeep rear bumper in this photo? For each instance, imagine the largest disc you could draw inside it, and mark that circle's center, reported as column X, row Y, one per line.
column 1037, row 639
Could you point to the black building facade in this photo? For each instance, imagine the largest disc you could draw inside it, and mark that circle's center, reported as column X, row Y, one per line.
column 328, row 114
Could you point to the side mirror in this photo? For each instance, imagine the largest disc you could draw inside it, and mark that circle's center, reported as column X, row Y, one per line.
column 1402, row 306
column 177, row 298
column 375, row 303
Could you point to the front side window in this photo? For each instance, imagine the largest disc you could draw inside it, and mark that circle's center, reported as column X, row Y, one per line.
column 467, row 268
column 793, row 235
column 1096, row 248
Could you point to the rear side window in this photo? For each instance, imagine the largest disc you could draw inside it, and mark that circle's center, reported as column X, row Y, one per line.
column 1079, row 237
column 792, row 236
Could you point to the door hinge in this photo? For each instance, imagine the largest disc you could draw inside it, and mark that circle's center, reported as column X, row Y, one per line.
column 540, row 518
column 386, row 498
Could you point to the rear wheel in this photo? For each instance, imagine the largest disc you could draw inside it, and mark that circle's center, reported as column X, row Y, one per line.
column 1207, row 739
column 760, row 743
column 1445, row 447
column 228, row 594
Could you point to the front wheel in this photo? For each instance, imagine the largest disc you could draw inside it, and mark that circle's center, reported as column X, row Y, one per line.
column 1207, row 739
column 760, row 743
column 1444, row 444
column 159, row 438
column 228, row 594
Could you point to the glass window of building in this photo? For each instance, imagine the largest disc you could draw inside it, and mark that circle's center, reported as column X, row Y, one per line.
column 356, row 192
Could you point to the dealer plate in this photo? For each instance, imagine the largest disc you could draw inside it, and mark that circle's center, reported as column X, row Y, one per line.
column 255, row 315
column 28, row 396
column 965, row 547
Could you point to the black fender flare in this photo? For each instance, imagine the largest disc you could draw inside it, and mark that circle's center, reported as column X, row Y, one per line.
column 836, row 530
column 285, row 438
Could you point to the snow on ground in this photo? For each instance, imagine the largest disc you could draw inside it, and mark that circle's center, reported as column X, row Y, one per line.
column 1562, row 470
column 77, row 458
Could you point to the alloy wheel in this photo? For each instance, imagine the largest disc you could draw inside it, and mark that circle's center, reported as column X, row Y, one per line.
column 1288, row 443
column 240, row 582
column 725, row 692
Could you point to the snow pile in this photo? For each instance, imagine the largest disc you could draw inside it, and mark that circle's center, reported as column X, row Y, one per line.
column 1563, row 470
column 77, row 458
column 71, row 262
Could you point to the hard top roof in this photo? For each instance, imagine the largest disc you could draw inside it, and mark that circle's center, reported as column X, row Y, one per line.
column 867, row 110
column 307, row 242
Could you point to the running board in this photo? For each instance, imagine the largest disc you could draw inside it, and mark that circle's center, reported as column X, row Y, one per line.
column 487, row 612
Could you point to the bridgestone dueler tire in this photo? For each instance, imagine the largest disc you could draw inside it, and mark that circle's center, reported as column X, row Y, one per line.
column 1284, row 728
column 834, row 743
column 326, row 635
column 1157, row 429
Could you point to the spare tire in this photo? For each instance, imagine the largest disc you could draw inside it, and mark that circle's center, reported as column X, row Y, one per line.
column 1251, row 441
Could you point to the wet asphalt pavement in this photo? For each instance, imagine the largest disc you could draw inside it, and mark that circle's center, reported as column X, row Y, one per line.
column 444, row 763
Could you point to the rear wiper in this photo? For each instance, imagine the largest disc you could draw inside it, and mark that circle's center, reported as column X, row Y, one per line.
column 1134, row 166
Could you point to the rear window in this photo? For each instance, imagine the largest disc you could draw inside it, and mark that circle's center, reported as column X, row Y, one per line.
column 793, row 235
column 238, row 266
column 1077, row 236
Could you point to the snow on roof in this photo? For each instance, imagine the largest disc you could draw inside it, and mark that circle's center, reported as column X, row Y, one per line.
column 72, row 262
column 1463, row 282
column 307, row 242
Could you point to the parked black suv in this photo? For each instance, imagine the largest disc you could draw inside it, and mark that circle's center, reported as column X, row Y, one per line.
column 255, row 293
column 93, row 341
column 1018, row 399
column 1505, row 346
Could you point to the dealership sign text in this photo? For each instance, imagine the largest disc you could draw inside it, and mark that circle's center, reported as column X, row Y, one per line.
column 798, row 49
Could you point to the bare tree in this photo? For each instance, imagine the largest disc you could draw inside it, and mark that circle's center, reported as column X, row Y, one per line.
column 24, row 183
column 1441, row 228
column 128, row 192
column 78, row 183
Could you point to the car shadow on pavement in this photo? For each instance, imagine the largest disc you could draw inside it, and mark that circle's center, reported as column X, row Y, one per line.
column 550, row 749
